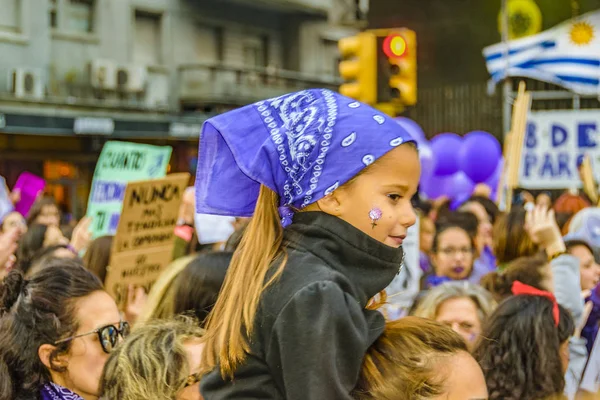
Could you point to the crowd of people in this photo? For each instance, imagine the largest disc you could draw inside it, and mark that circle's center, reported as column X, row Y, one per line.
column 277, row 285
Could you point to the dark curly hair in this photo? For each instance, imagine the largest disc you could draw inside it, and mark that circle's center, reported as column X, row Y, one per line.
column 519, row 349
column 36, row 312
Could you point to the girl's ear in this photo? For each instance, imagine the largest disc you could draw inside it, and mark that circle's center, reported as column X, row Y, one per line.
column 330, row 204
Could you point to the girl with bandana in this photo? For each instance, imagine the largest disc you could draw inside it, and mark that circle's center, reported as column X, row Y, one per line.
column 292, row 320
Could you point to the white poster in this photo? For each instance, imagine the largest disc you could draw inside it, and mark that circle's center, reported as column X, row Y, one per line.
column 405, row 286
column 6, row 205
column 591, row 377
column 555, row 143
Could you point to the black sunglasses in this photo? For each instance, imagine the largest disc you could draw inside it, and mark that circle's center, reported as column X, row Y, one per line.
column 107, row 335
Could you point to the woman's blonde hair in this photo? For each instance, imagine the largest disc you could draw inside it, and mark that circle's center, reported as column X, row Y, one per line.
column 231, row 322
column 404, row 362
column 430, row 304
column 161, row 299
column 152, row 363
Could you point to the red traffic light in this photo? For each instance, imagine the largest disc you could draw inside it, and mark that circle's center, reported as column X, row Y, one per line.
column 395, row 46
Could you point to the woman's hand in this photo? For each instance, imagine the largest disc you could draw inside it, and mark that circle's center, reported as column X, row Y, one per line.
column 136, row 300
column 82, row 235
column 543, row 230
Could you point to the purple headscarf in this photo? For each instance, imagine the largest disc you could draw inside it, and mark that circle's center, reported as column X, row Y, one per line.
column 301, row 145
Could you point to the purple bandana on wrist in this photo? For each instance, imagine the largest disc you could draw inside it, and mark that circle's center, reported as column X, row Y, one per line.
column 302, row 145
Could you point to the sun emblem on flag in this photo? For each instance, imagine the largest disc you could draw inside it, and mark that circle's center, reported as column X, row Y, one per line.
column 582, row 33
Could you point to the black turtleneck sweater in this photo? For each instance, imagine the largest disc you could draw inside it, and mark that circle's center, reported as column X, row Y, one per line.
column 312, row 329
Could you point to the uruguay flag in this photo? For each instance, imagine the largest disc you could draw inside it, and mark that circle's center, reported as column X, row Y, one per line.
column 567, row 55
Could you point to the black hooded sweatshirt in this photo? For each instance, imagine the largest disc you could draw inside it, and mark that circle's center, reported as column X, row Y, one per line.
column 312, row 329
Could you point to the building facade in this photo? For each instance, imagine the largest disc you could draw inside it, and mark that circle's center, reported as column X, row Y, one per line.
column 76, row 73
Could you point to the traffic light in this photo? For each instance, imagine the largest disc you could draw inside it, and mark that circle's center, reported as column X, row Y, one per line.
column 358, row 67
column 397, row 67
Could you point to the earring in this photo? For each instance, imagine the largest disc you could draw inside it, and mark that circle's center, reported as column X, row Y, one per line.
column 375, row 215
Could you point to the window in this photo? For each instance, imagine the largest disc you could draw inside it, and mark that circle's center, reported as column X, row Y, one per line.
column 331, row 58
column 80, row 16
column 10, row 15
column 256, row 52
column 206, row 44
column 147, row 41
column 53, row 14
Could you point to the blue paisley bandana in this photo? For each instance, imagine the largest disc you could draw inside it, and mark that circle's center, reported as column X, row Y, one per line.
column 301, row 145
column 52, row 391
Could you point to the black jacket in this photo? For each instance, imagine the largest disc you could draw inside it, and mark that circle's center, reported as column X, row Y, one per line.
column 312, row 330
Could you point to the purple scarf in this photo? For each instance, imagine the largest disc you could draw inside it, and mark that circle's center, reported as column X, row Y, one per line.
column 52, row 391
column 301, row 145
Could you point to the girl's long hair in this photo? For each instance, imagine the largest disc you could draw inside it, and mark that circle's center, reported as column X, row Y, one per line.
column 231, row 323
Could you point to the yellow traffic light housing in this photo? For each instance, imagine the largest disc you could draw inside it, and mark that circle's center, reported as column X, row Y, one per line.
column 358, row 67
column 400, row 48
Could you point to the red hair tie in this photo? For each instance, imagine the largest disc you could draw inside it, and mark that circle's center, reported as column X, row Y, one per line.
column 519, row 288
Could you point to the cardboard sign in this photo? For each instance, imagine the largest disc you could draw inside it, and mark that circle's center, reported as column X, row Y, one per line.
column 145, row 236
column 31, row 186
column 118, row 164
column 6, row 205
column 555, row 144
column 586, row 174
column 515, row 145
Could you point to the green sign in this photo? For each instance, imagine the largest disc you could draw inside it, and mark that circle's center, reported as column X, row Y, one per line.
column 120, row 163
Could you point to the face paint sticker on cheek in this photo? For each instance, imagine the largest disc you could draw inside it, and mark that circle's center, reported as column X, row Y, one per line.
column 375, row 215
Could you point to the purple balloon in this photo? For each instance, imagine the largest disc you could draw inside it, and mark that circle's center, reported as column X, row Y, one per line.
column 446, row 147
column 461, row 187
column 413, row 129
column 427, row 159
column 479, row 155
column 494, row 180
column 434, row 186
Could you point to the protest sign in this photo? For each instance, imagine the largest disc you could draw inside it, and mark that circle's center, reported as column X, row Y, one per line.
column 118, row 164
column 514, row 146
column 405, row 287
column 6, row 205
column 31, row 186
column 145, row 236
column 554, row 146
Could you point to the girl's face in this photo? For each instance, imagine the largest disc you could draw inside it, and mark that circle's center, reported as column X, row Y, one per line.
column 461, row 315
column 14, row 220
column 86, row 359
column 50, row 215
column 384, row 190
column 589, row 271
column 454, row 255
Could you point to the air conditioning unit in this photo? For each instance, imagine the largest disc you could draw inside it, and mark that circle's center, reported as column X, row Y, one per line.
column 103, row 74
column 26, row 83
column 131, row 79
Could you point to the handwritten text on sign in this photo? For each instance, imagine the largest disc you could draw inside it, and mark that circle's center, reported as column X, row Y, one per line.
column 144, row 241
column 555, row 143
column 120, row 163
column 150, row 211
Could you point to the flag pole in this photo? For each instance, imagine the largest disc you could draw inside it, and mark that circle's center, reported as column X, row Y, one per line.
column 506, row 91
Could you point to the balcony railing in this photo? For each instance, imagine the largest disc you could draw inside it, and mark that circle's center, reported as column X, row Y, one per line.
column 219, row 84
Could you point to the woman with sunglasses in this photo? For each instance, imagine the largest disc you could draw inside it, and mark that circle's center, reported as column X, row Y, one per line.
column 57, row 331
column 159, row 361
